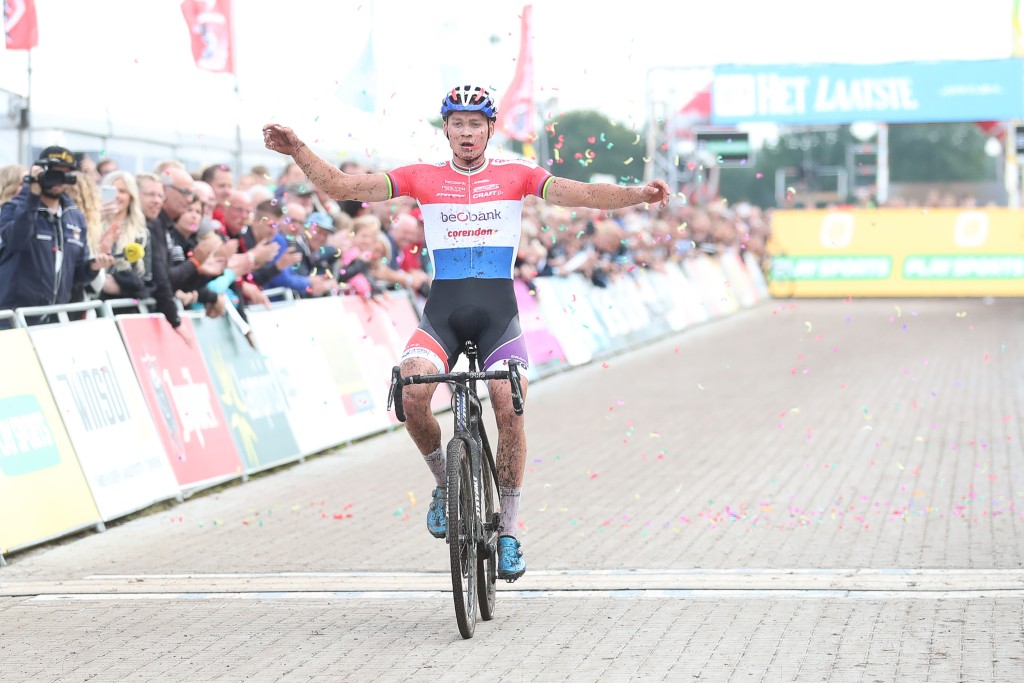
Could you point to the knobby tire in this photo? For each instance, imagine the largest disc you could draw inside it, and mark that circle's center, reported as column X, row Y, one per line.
column 487, row 556
column 461, row 541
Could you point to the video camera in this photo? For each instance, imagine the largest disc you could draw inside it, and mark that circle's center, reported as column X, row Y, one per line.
column 51, row 177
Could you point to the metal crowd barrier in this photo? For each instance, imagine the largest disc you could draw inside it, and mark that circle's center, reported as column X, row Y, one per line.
column 109, row 308
column 278, row 294
column 60, row 310
column 112, row 306
column 8, row 314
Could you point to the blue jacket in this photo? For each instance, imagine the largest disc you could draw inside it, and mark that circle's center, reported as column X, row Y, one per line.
column 288, row 277
column 29, row 244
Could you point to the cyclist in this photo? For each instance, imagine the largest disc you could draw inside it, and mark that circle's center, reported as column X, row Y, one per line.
column 472, row 208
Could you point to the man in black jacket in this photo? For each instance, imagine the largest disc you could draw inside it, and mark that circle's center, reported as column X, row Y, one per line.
column 158, row 282
column 43, row 248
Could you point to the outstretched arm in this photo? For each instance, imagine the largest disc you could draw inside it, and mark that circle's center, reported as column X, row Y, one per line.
column 365, row 187
column 565, row 192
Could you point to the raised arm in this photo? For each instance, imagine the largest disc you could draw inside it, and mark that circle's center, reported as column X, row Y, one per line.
column 337, row 184
column 565, row 192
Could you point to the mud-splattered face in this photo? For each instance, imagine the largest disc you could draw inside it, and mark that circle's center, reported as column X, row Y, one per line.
column 468, row 133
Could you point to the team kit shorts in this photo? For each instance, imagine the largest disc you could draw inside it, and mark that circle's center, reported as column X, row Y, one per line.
column 483, row 311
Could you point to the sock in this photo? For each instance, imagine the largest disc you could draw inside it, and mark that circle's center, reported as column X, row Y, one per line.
column 508, row 498
column 436, row 461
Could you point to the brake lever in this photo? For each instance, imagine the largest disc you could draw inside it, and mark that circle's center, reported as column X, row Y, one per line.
column 517, row 388
column 395, row 395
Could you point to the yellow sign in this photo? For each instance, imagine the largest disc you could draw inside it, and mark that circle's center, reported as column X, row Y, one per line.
column 43, row 493
column 898, row 252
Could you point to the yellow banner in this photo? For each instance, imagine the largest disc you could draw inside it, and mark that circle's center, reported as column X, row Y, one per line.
column 898, row 252
column 43, row 493
column 1018, row 31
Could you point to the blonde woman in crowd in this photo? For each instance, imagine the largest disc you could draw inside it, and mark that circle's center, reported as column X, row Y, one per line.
column 11, row 181
column 86, row 195
column 124, row 224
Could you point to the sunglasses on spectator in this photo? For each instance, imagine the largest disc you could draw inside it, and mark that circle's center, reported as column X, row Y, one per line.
column 188, row 194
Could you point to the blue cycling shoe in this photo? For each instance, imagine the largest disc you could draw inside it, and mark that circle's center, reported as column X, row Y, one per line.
column 437, row 522
column 510, row 559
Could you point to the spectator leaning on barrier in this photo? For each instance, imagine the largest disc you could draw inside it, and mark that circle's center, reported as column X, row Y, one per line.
column 207, row 245
column 289, row 260
column 319, row 258
column 280, row 271
column 237, row 215
column 184, row 270
column 43, row 248
column 124, row 225
column 409, row 255
column 158, row 282
column 190, row 271
column 266, row 222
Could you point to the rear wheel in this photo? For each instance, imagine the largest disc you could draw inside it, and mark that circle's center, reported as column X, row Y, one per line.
column 461, row 541
column 487, row 553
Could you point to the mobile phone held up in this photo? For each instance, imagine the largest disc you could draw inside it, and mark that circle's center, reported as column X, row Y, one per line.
column 108, row 193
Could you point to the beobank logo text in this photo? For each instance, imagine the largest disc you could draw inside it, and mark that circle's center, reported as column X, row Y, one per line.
column 467, row 216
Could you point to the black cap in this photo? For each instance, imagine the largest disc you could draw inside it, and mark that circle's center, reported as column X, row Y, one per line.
column 59, row 155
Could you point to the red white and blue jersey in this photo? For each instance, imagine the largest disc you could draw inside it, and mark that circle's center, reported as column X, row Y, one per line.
column 472, row 221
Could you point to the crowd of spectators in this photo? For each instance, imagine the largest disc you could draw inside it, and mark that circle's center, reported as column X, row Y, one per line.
column 602, row 245
column 220, row 243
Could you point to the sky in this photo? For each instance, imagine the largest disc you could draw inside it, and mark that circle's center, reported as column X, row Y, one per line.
column 127, row 63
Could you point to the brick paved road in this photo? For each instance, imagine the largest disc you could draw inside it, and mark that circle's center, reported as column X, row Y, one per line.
column 810, row 490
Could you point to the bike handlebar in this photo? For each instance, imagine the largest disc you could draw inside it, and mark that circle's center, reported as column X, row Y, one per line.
column 397, row 382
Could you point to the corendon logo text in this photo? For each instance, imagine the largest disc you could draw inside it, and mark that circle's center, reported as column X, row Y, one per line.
column 479, row 232
column 466, row 216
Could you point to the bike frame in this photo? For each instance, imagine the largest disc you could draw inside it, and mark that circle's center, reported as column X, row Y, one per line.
column 472, row 546
column 467, row 413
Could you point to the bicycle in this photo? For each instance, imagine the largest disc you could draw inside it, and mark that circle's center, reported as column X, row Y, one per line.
column 473, row 523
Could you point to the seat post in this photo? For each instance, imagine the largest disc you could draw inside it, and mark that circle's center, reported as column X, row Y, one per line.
column 470, row 348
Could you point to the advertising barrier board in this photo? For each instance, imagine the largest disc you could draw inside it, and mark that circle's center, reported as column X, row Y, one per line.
column 379, row 348
column 43, row 492
column 105, row 414
column 254, row 405
column 402, row 312
column 298, row 360
column 182, row 400
column 543, row 347
column 898, row 252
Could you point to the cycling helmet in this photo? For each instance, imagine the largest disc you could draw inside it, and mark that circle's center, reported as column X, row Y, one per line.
column 469, row 98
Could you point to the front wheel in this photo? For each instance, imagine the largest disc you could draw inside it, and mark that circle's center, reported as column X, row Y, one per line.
column 487, row 552
column 461, row 536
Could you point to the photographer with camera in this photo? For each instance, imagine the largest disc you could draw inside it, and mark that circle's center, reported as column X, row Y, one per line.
column 43, row 247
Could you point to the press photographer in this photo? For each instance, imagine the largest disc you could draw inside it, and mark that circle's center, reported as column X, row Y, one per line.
column 43, row 248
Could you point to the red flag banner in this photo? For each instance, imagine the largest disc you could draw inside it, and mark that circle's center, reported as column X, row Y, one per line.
column 20, row 30
column 209, row 24
column 516, row 110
